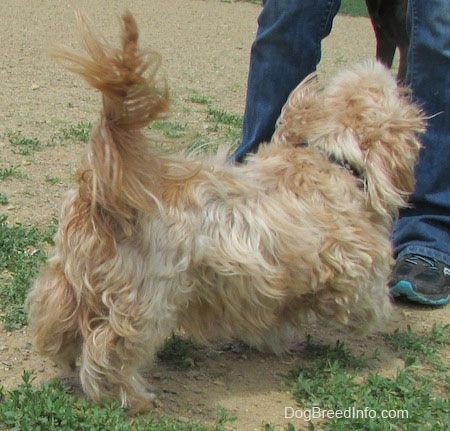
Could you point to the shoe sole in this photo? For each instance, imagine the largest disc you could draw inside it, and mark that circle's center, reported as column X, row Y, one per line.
column 404, row 288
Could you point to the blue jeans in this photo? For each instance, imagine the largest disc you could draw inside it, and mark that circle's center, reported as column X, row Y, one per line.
column 286, row 49
column 425, row 227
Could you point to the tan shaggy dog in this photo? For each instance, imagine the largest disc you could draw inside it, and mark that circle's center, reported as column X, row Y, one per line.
column 149, row 244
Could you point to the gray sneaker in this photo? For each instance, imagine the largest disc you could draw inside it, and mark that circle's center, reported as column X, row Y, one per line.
column 421, row 279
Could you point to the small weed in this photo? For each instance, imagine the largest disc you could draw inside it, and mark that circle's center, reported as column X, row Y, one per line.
column 52, row 180
column 22, row 145
column 170, row 129
column 200, row 100
column 222, row 419
column 4, row 199
column 224, row 128
column 81, row 132
column 220, row 116
column 11, row 172
column 325, row 354
column 178, row 352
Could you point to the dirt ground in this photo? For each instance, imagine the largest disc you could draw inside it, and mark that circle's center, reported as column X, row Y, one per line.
column 205, row 46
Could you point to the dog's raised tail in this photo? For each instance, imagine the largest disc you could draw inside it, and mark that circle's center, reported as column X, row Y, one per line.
column 119, row 164
column 126, row 77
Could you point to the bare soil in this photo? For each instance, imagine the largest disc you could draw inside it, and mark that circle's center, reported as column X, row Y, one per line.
column 205, row 46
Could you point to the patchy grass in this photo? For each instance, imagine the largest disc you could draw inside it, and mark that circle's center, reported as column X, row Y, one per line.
column 52, row 179
column 178, row 352
column 4, row 200
column 323, row 353
column 330, row 381
column 425, row 348
column 10, row 172
column 216, row 127
column 50, row 408
column 21, row 254
column 219, row 116
column 416, row 397
column 78, row 133
column 199, row 99
column 23, row 145
column 170, row 129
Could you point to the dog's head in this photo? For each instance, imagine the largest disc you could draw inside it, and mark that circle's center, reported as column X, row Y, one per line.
column 363, row 119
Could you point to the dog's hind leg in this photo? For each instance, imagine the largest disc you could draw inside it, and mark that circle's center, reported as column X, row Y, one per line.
column 110, row 369
column 53, row 316
column 123, row 340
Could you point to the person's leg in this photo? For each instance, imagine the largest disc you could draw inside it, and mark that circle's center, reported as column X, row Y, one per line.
column 286, row 49
column 422, row 234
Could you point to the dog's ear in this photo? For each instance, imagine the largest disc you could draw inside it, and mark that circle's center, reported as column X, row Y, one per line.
column 385, row 125
column 389, row 168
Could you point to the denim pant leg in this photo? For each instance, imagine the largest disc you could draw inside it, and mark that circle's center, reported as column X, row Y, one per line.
column 425, row 227
column 286, row 49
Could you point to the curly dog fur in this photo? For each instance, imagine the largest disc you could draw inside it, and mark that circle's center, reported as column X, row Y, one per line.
column 148, row 244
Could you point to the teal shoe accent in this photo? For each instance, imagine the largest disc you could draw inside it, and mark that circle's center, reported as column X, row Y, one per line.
column 405, row 288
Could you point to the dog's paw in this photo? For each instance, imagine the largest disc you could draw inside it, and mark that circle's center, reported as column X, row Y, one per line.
column 141, row 403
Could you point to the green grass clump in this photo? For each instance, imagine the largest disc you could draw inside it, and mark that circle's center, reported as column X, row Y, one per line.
column 199, row 99
column 426, row 345
column 51, row 179
column 178, row 352
column 80, row 132
column 23, row 145
column 10, row 172
column 49, row 407
column 219, row 116
column 417, row 396
column 324, row 353
column 170, row 129
column 4, row 200
column 20, row 257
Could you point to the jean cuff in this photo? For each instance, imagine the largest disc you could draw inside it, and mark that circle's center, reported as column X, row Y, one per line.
column 425, row 252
